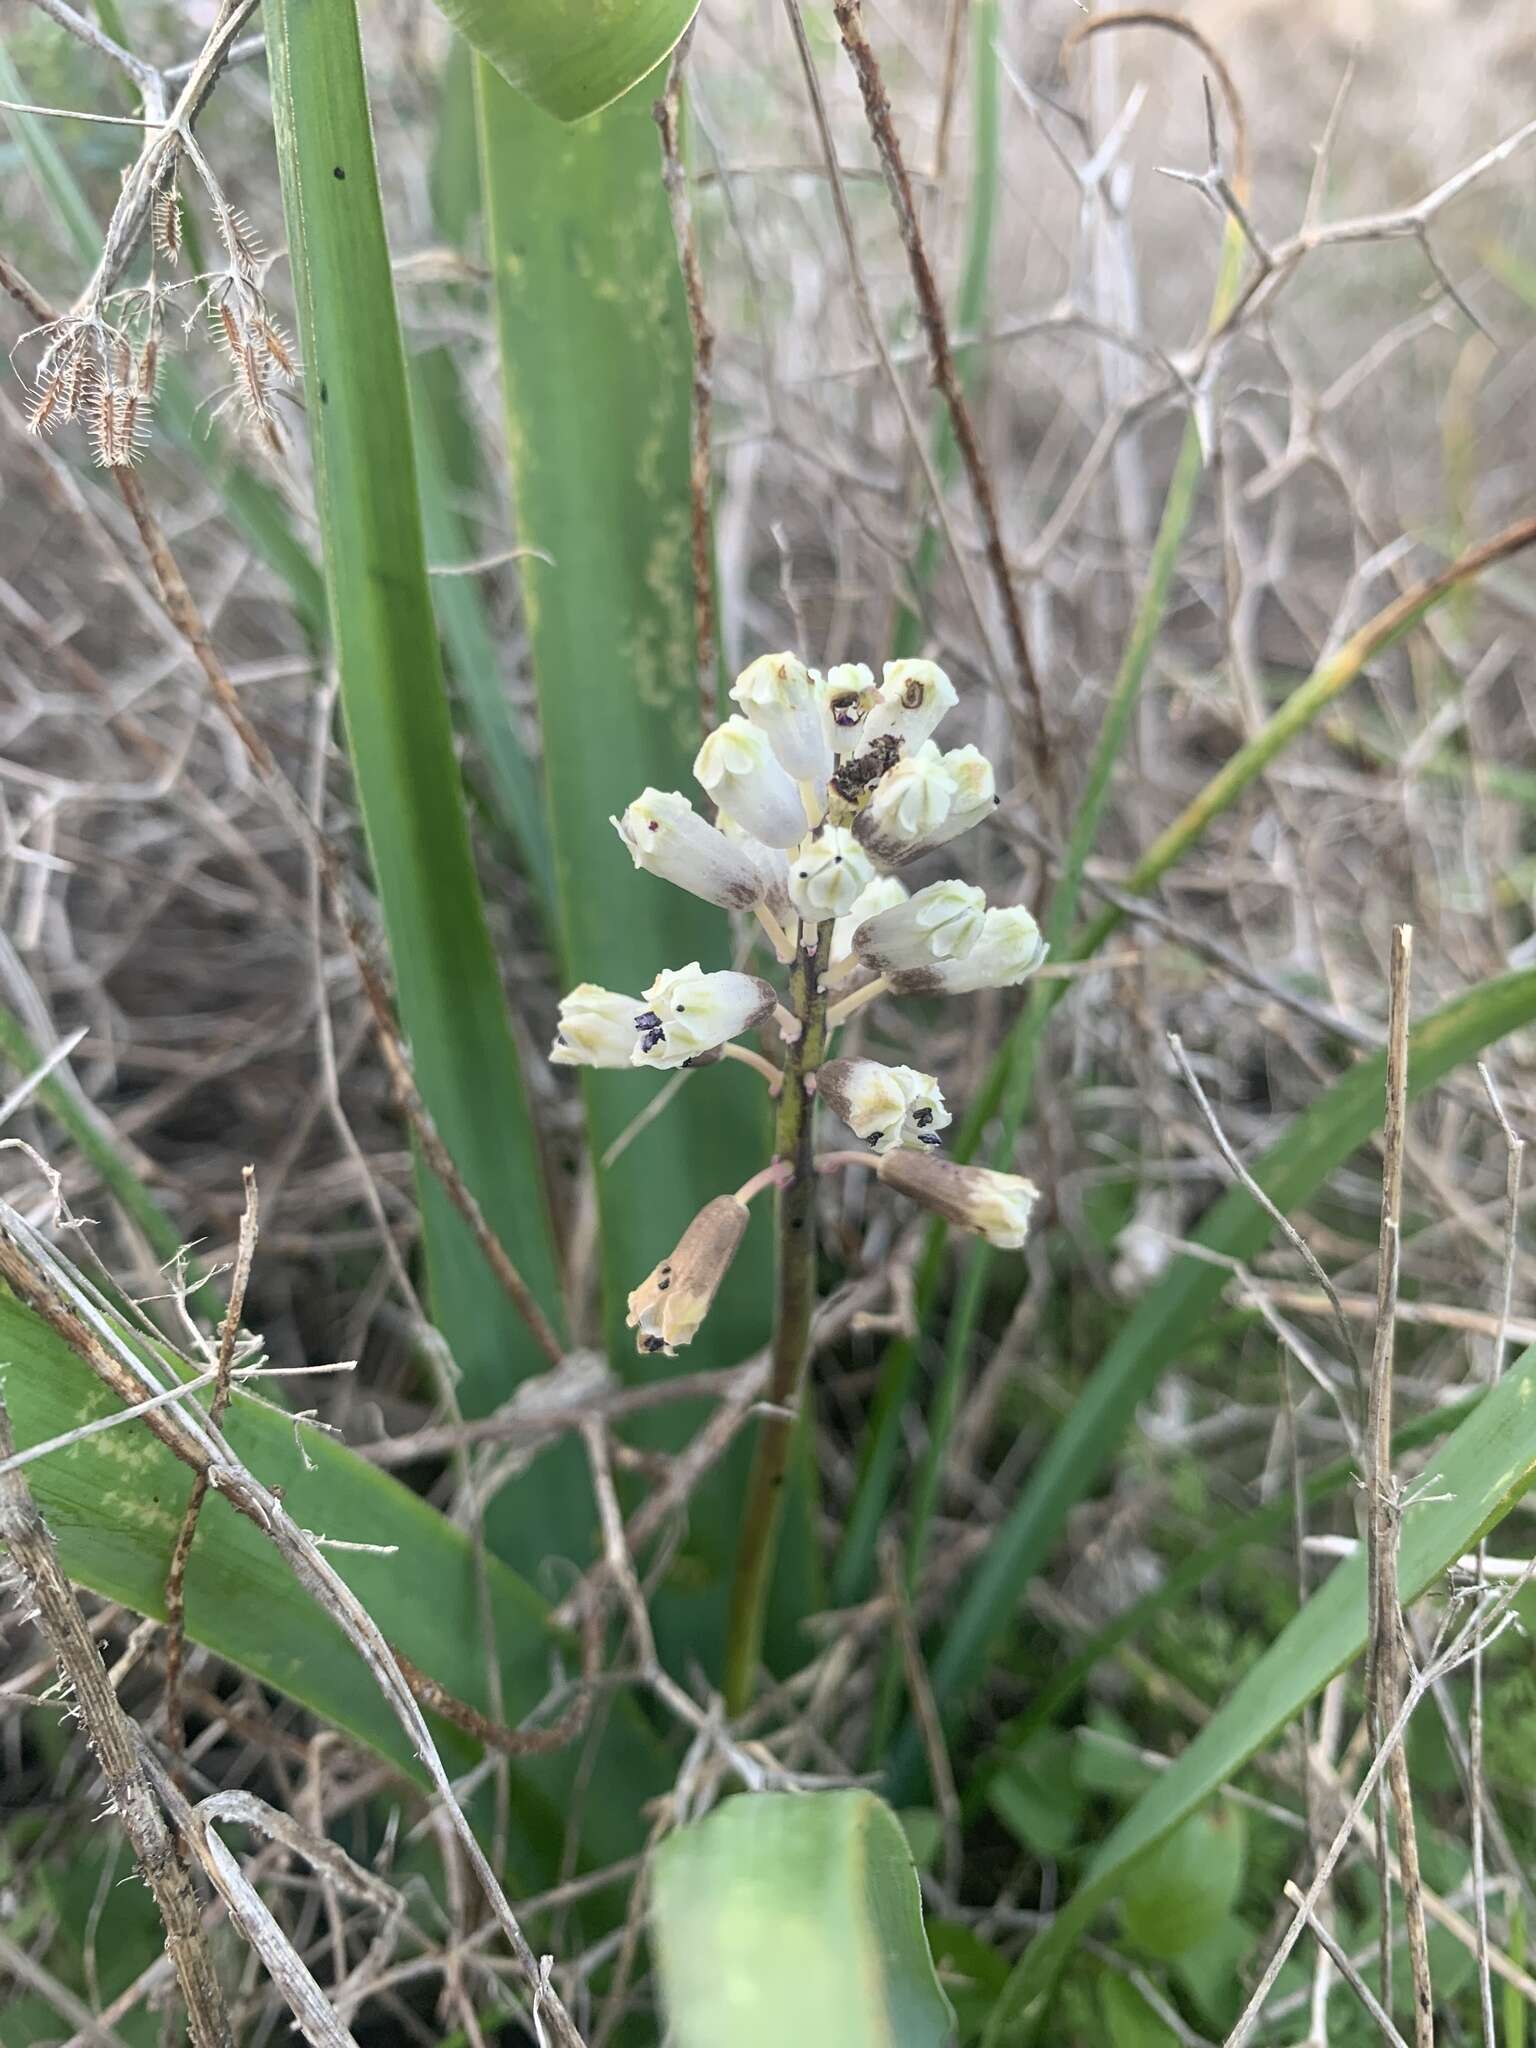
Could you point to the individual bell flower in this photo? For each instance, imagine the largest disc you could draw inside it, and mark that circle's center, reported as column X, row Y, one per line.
column 1007, row 950
column 848, row 694
column 926, row 800
column 596, row 1028
column 828, row 871
column 771, row 862
column 883, row 893
column 667, row 837
column 741, row 772
column 939, row 923
column 885, row 1106
column 666, row 1309
column 778, row 695
column 914, row 696
column 997, row 1206
column 689, row 1013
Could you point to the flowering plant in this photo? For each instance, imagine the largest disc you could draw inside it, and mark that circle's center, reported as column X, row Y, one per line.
column 823, row 787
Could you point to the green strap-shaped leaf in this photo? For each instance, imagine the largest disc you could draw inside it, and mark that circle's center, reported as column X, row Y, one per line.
column 1481, row 1471
column 573, row 57
column 398, row 728
column 1167, row 1320
column 792, row 1918
column 114, row 1503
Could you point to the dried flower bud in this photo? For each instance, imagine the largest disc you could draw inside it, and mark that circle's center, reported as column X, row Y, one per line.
column 667, row 837
column 668, row 1306
column 886, row 1106
column 739, row 769
column 688, row 1013
column 941, row 922
column 596, row 1028
column 827, row 873
column 1007, row 950
column 914, row 696
column 997, row 1206
column 777, row 694
column 883, row 893
column 849, row 695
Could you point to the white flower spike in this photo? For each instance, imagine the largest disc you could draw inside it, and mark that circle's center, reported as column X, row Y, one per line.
column 777, row 694
column 997, row 1206
column 667, row 837
column 596, row 1028
column 914, row 696
column 740, row 770
column 849, row 695
column 886, row 1106
column 1006, row 951
column 690, row 1014
column 939, row 923
column 828, row 872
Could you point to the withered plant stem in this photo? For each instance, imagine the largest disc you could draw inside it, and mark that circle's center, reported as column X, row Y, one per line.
column 794, row 1305
column 1386, row 1647
column 115, row 1743
column 941, row 362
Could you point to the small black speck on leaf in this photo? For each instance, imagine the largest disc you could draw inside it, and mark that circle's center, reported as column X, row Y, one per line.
column 338, row 172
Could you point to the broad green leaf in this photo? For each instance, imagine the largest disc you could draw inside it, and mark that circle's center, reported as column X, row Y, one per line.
column 1166, row 1321
column 1186, row 1885
column 399, row 733
column 595, row 372
column 573, row 57
column 791, row 1917
column 1481, row 1471
column 114, row 1503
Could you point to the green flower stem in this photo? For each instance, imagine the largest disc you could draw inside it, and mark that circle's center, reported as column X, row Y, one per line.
column 794, row 1303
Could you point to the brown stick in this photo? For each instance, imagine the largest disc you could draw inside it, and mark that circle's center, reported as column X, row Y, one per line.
column 114, row 1743
column 176, row 1577
column 877, row 107
column 667, row 113
column 1385, row 1650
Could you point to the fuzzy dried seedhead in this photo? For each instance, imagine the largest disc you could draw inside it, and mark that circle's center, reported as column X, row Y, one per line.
column 257, row 349
column 103, row 376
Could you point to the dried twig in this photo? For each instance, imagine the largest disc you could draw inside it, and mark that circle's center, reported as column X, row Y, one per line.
column 115, row 1743
column 1386, row 1648
column 882, row 128
column 176, row 1576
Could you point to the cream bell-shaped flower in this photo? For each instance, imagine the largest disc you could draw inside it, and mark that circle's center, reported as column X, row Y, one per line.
column 939, row 923
column 778, row 695
column 1006, row 951
column 740, row 770
column 666, row 1309
column 883, row 893
column 914, row 696
column 666, row 836
column 596, row 1028
column 848, row 694
column 885, row 1106
column 997, row 1206
column 828, row 871
column 690, row 1014
column 926, row 800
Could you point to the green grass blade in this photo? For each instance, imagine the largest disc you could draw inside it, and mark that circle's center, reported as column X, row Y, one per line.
column 573, row 57
column 114, row 1503
column 1483, row 1468
column 786, row 1917
column 253, row 506
column 398, row 727
column 1317, row 1142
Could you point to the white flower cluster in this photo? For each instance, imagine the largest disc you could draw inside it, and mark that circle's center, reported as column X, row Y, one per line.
column 821, row 786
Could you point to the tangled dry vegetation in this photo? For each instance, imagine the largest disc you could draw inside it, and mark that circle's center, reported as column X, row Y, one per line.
column 1364, row 416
